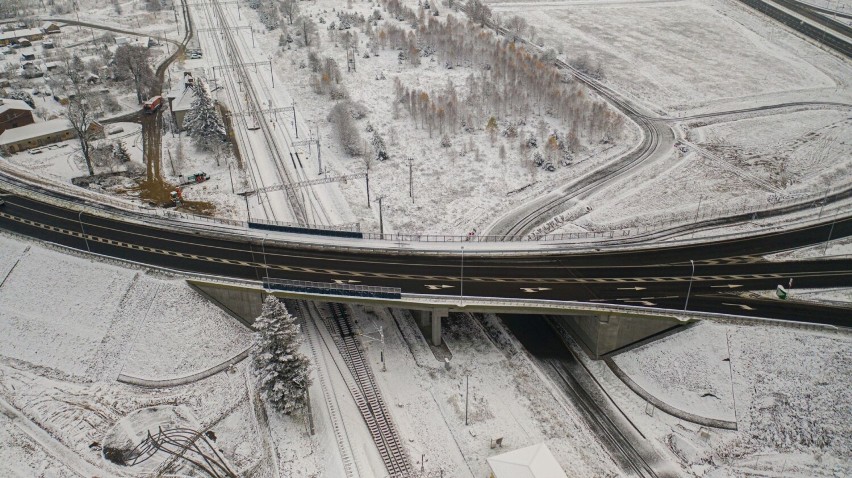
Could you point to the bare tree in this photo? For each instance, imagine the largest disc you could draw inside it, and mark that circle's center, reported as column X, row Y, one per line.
column 290, row 9
column 479, row 12
column 81, row 111
column 308, row 30
column 517, row 25
column 133, row 60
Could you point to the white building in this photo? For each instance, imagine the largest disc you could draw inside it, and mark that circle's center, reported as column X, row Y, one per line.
column 531, row 462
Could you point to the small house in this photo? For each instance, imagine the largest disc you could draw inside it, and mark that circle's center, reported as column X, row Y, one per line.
column 24, row 42
column 47, row 44
column 51, row 28
column 14, row 114
column 27, row 56
column 180, row 101
column 122, row 41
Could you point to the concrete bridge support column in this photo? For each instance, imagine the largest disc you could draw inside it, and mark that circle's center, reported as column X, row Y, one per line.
column 429, row 322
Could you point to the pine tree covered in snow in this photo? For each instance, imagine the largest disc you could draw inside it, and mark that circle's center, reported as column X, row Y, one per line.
column 202, row 122
column 379, row 147
column 119, row 152
column 281, row 369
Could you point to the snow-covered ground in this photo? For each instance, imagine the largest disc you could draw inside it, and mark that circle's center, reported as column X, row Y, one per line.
column 60, row 359
column 676, row 56
column 788, row 390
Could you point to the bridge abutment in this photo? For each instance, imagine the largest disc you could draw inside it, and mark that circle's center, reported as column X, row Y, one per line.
column 242, row 303
column 607, row 333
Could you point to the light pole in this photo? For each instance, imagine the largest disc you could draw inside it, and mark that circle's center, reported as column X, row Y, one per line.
column 263, row 249
column 80, row 220
column 461, row 282
column 690, row 284
column 694, row 221
column 830, row 231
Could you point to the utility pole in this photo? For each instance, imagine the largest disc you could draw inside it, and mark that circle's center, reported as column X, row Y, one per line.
column 466, row 390
column 295, row 125
column 367, row 177
column 411, row 179
column 381, row 222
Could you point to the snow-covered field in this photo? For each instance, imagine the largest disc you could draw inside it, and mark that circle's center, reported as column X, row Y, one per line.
column 676, row 56
column 790, row 397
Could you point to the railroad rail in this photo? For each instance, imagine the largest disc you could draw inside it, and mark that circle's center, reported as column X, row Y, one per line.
column 366, row 393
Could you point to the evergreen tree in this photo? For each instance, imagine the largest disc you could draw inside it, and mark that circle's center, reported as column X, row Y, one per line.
column 379, row 147
column 202, row 122
column 120, row 153
column 281, row 369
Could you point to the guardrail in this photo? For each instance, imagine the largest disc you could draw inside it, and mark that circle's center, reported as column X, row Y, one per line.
column 631, row 228
column 326, row 288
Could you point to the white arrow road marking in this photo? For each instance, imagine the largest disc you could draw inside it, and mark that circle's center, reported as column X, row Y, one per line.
column 741, row 306
column 345, row 281
column 440, row 286
column 726, row 286
column 643, row 302
column 533, row 290
column 632, row 288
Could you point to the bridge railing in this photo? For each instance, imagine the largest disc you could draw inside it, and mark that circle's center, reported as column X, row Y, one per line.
column 810, row 204
column 327, row 288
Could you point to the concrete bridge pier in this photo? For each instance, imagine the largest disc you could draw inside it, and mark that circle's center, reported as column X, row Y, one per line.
column 429, row 322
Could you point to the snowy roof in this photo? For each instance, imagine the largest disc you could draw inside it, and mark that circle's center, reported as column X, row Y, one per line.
column 7, row 104
column 531, row 462
column 34, row 130
column 182, row 99
column 13, row 34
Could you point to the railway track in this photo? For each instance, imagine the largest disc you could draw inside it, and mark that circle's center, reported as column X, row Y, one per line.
column 231, row 87
column 303, row 310
column 231, row 51
column 314, row 209
column 366, row 393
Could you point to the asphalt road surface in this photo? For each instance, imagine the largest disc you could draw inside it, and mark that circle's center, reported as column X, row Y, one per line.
column 658, row 277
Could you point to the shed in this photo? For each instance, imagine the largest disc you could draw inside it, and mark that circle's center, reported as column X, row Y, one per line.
column 35, row 135
column 531, row 462
column 180, row 101
column 14, row 114
column 51, row 27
